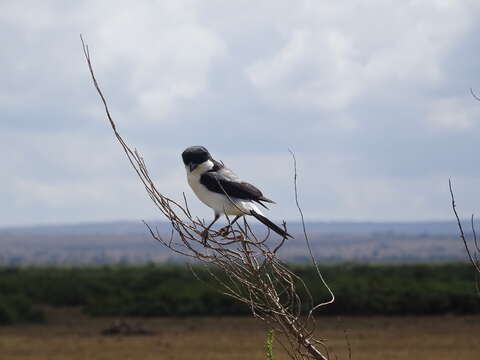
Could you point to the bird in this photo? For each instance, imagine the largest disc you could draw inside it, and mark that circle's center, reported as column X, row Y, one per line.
column 223, row 191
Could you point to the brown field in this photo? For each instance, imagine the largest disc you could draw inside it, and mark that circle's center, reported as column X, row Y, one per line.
column 70, row 335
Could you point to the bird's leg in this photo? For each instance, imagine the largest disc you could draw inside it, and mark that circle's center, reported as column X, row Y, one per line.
column 224, row 231
column 205, row 232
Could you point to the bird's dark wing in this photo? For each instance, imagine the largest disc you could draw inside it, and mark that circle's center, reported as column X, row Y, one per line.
column 221, row 184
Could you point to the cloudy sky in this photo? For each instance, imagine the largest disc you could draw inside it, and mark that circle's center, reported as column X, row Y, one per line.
column 373, row 96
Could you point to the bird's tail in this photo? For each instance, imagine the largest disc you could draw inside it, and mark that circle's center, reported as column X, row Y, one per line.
column 270, row 224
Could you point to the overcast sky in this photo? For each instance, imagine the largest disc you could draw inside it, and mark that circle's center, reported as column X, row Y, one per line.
column 373, row 96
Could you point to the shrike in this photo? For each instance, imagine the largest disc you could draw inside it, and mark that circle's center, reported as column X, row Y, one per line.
column 223, row 191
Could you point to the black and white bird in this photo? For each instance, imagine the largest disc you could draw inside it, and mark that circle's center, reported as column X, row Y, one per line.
column 223, row 191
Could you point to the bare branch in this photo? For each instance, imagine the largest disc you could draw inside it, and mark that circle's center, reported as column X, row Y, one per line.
column 473, row 258
column 332, row 296
column 243, row 266
column 475, row 96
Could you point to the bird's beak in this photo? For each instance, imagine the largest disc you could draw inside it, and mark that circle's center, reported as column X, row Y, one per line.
column 192, row 166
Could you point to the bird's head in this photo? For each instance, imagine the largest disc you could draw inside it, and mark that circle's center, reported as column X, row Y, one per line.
column 194, row 156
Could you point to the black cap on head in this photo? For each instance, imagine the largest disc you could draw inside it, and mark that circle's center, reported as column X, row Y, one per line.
column 195, row 155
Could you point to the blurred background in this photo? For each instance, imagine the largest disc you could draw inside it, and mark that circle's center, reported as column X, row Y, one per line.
column 373, row 97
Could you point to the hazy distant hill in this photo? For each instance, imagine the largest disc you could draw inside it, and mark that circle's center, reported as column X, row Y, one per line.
column 129, row 242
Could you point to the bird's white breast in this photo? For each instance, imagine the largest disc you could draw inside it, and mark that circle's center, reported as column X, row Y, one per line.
column 220, row 203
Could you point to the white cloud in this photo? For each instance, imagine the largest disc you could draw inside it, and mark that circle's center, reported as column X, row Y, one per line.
column 65, row 177
column 335, row 54
column 457, row 114
column 152, row 55
column 308, row 71
column 167, row 52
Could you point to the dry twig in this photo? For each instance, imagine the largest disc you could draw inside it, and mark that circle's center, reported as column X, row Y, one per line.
column 252, row 272
column 473, row 251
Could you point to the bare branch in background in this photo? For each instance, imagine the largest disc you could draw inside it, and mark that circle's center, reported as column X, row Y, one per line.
column 244, row 265
column 475, row 96
column 473, row 250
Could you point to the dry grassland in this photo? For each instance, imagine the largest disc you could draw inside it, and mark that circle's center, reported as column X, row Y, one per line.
column 70, row 335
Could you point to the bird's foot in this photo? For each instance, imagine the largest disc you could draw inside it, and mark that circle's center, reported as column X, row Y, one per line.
column 224, row 231
column 204, row 235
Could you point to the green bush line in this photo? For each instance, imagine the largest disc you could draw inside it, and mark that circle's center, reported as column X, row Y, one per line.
column 167, row 290
column 18, row 309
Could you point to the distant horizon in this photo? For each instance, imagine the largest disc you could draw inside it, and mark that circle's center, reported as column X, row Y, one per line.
column 130, row 242
column 292, row 221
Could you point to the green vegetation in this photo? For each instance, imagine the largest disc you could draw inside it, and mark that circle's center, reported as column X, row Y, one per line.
column 166, row 290
column 269, row 345
column 18, row 308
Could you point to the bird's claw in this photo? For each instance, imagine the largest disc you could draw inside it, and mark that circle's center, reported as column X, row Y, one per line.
column 224, row 231
column 204, row 235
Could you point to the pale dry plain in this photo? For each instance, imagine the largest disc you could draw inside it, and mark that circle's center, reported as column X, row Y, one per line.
column 70, row 335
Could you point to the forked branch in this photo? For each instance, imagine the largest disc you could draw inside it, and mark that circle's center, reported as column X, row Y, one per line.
column 472, row 247
column 244, row 265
